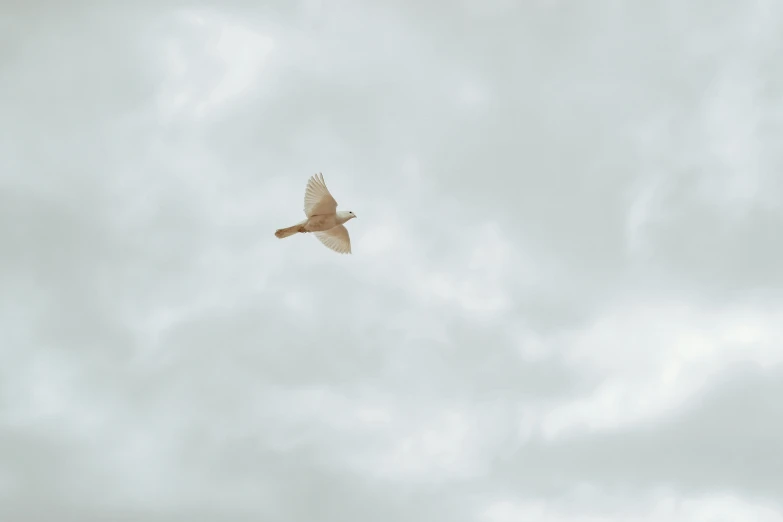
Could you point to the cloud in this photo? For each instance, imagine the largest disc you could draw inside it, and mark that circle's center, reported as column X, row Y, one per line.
column 563, row 302
column 720, row 442
column 661, row 507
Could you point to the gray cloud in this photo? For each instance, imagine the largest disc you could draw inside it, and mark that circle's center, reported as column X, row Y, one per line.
column 721, row 441
column 532, row 182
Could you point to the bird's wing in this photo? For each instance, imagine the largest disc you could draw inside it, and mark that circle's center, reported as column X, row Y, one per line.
column 318, row 200
column 336, row 238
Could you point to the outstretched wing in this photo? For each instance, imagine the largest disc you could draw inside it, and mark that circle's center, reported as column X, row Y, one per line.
column 336, row 238
column 317, row 200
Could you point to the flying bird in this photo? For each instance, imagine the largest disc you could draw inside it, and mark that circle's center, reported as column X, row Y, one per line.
column 323, row 218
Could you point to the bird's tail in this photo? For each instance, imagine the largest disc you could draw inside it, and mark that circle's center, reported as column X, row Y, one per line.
column 288, row 231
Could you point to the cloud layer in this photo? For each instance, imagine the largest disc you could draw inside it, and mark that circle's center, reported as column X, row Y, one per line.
column 564, row 302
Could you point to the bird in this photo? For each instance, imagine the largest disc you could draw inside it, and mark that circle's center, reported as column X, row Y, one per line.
column 323, row 218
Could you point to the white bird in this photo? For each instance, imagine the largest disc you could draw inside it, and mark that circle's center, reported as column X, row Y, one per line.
column 323, row 218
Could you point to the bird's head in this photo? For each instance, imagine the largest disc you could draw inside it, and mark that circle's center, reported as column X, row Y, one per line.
column 346, row 215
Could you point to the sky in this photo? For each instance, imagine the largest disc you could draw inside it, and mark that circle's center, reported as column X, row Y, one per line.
column 564, row 302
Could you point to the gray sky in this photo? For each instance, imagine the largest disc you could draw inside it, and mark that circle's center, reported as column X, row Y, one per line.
column 565, row 302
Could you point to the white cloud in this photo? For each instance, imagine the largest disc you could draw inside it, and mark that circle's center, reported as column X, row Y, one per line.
column 480, row 273
column 652, row 358
column 214, row 61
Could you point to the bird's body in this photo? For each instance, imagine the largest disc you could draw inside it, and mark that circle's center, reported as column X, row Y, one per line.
column 320, row 223
column 323, row 219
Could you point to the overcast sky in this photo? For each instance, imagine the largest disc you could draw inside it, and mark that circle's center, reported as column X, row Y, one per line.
column 564, row 303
